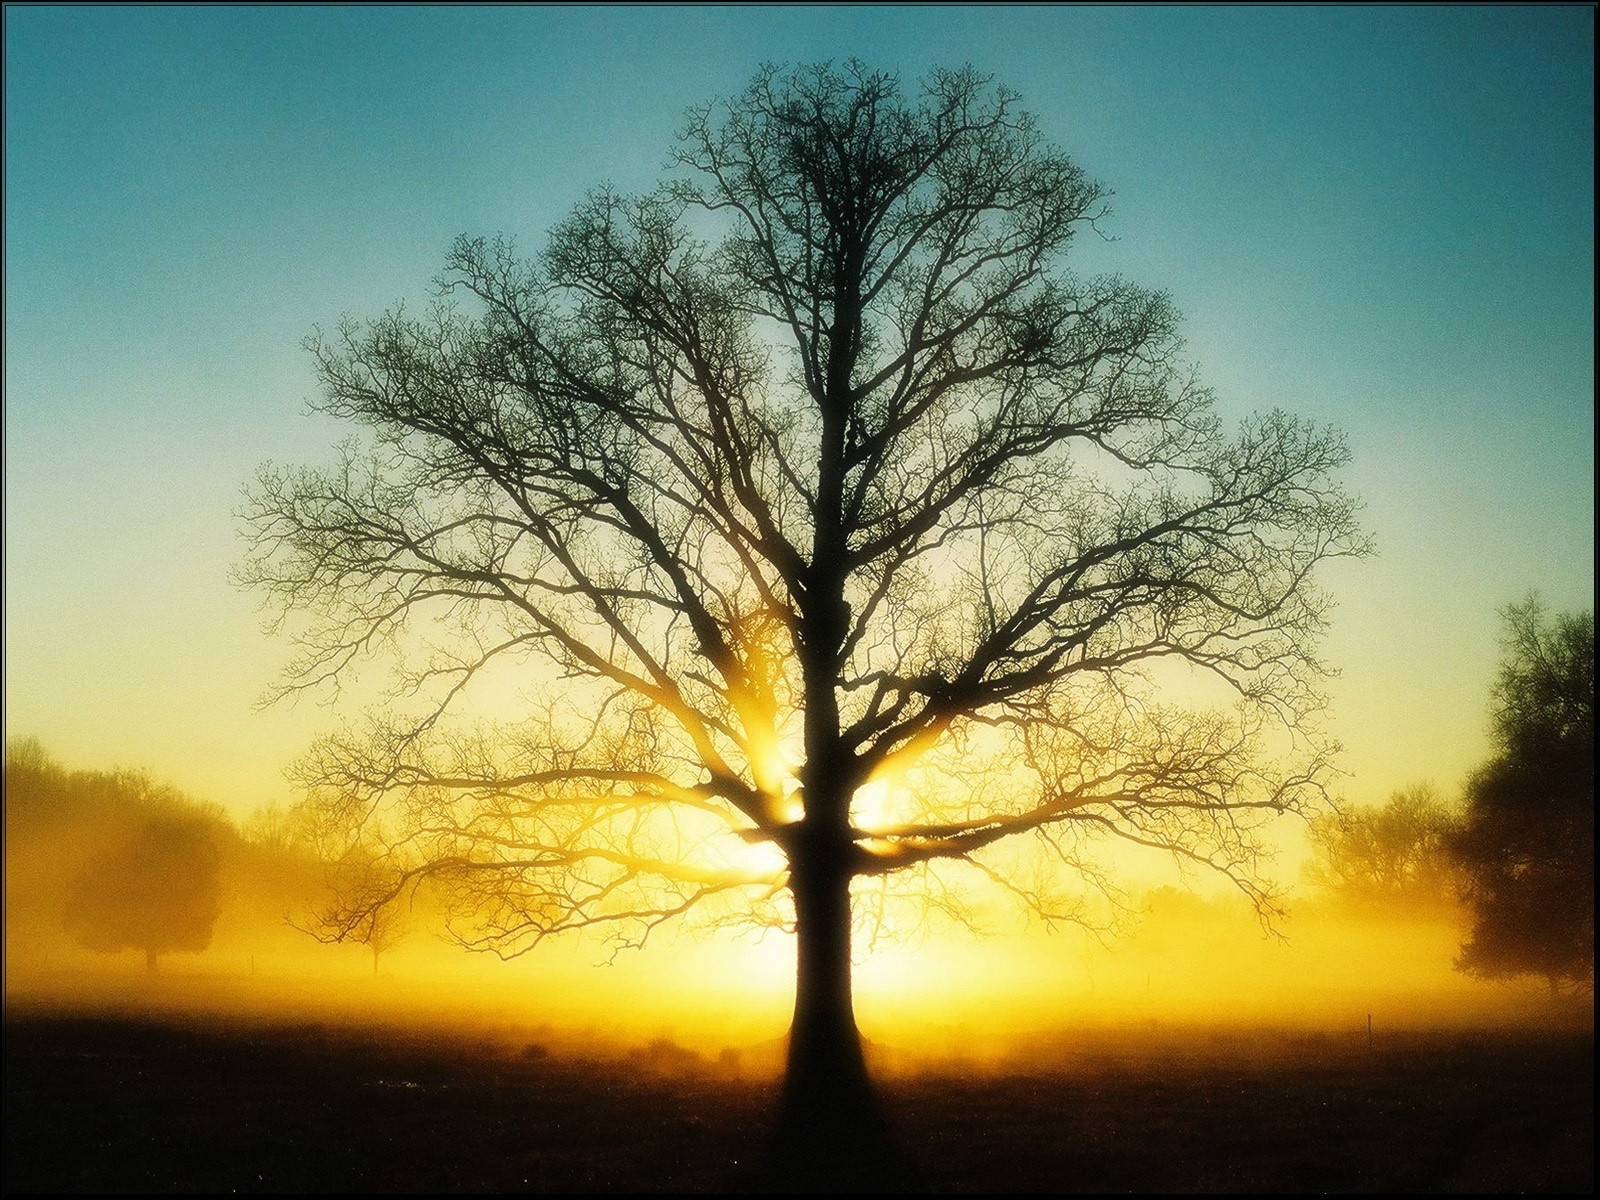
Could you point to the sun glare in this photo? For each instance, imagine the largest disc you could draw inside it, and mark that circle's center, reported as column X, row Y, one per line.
column 871, row 806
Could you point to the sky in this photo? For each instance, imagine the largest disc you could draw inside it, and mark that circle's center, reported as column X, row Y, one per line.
column 1382, row 219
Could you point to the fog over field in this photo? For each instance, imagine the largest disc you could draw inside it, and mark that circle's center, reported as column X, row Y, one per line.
column 1168, row 960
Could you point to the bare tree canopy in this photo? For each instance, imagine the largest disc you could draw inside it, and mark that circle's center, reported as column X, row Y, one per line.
column 796, row 495
column 1395, row 857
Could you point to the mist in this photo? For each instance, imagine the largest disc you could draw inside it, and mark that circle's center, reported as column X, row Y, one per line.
column 1175, row 962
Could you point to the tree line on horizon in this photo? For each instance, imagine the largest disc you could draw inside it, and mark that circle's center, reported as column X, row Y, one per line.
column 120, row 862
column 113, row 861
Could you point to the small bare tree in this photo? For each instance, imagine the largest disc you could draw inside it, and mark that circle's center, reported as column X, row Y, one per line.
column 791, row 492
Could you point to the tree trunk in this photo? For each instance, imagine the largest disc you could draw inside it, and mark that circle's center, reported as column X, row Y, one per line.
column 831, row 1134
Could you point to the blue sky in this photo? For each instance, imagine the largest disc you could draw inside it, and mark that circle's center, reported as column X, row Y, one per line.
column 1381, row 218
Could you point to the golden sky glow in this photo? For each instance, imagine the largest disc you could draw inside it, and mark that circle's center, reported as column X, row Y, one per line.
column 1324, row 193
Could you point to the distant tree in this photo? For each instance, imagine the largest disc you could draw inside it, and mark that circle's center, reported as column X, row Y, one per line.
column 64, row 827
column 358, row 872
column 1527, row 843
column 795, row 491
column 1398, row 853
column 159, row 892
column 388, row 927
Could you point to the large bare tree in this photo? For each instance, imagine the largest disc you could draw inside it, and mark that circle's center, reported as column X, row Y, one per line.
column 795, row 496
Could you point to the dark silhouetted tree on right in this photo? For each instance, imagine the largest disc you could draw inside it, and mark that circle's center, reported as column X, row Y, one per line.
column 1527, row 845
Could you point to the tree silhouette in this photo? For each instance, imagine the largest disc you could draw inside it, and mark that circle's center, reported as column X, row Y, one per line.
column 1397, row 854
column 793, row 494
column 358, row 872
column 158, row 893
column 1527, row 844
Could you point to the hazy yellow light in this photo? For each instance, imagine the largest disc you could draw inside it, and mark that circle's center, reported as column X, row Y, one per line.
column 870, row 807
column 790, row 808
column 762, row 859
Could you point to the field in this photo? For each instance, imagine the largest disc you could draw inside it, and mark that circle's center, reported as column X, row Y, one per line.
column 124, row 1103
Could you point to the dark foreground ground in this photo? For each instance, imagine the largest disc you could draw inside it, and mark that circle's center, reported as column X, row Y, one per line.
column 124, row 1105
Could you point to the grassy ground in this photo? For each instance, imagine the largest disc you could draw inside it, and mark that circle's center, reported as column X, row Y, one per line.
column 128, row 1104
